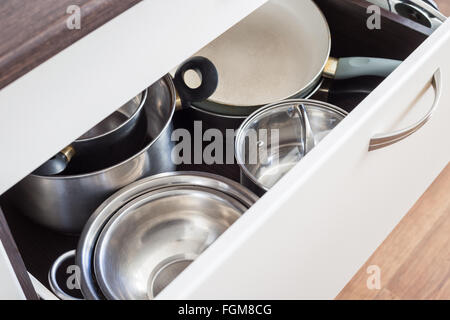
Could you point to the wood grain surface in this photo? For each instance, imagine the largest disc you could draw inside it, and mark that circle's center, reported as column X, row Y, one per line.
column 32, row 31
column 444, row 6
column 415, row 259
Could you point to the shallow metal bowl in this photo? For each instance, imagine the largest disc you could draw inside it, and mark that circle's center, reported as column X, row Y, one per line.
column 214, row 186
column 153, row 238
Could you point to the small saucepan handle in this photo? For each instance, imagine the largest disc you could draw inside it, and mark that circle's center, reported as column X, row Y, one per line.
column 209, row 80
column 52, row 276
column 57, row 164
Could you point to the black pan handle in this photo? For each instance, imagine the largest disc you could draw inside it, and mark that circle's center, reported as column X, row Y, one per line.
column 346, row 94
column 349, row 93
column 209, row 80
column 361, row 85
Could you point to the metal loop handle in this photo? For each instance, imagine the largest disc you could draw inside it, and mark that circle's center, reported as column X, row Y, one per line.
column 52, row 276
column 383, row 140
column 308, row 134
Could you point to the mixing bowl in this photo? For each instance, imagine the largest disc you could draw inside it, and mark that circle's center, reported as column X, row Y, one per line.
column 145, row 234
column 154, row 237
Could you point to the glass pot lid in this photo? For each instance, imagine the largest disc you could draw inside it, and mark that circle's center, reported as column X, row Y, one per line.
column 276, row 137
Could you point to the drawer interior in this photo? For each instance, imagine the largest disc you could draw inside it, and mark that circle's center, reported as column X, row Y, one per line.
column 397, row 38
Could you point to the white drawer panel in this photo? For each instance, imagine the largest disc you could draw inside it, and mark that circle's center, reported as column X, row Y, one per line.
column 58, row 101
column 313, row 231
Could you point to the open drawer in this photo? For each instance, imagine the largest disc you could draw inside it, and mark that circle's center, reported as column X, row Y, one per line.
column 309, row 235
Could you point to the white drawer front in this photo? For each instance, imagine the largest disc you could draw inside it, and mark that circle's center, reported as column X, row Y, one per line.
column 310, row 234
column 46, row 109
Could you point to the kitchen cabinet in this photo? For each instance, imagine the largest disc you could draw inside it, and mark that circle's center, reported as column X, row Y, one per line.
column 306, row 237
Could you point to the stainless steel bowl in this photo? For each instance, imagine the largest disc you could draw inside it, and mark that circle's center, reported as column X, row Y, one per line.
column 121, row 119
column 156, row 236
column 197, row 182
column 116, row 131
column 276, row 137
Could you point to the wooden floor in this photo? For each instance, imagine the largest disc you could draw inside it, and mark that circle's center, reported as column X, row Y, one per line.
column 414, row 260
column 444, row 6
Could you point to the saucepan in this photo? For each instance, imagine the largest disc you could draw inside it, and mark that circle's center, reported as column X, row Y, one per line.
column 64, row 202
column 280, row 51
column 144, row 235
column 272, row 140
column 114, row 130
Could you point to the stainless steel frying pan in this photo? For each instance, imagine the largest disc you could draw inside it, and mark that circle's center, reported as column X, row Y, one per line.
column 280, row 51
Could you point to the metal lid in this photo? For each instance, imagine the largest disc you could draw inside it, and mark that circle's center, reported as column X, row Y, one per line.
column 276, row 137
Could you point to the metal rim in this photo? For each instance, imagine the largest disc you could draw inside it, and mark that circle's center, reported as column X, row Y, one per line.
column 211, row 113
column 143, row 96
column 165, row 263
column 143, row 199
column 197, row 107
column 168, row 79
column 101, row 216
column 267, row 108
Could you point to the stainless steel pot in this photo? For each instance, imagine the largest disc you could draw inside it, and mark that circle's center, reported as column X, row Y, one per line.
column 276, row 137
column 65, row 202
column 148, row 232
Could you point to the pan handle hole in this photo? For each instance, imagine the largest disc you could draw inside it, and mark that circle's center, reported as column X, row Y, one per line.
column 192, row 78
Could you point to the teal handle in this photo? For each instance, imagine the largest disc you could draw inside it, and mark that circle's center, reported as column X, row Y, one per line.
column 361, row 66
